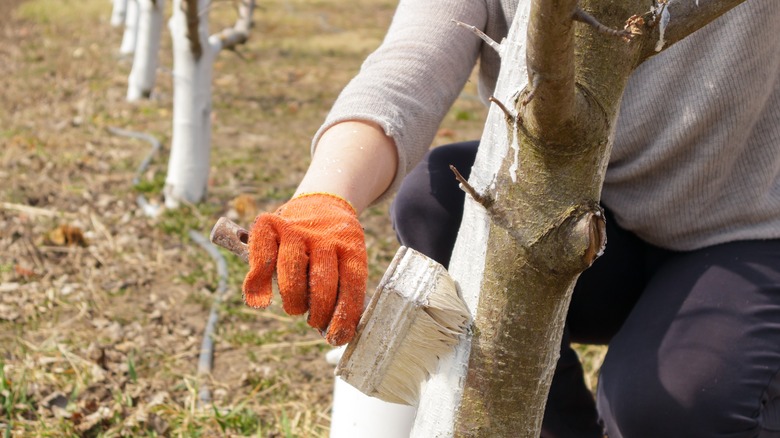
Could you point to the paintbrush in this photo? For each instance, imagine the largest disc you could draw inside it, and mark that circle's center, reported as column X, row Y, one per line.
column 415, row 317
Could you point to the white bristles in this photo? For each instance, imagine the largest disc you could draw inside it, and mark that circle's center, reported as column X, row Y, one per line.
column 425, row 343
column 415, row 318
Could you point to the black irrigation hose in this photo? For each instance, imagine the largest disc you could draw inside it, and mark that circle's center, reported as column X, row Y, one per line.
column 146, row 207
column 156, row 146
column 206, row 357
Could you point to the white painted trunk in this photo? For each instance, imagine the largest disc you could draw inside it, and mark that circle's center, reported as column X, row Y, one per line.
column 441, row 395
column 358, row 415
column 188, row 165
column 118, row 13
column 130, row 35
column 144, row 71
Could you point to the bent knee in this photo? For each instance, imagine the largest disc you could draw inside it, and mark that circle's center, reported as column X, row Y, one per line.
column 635, row 407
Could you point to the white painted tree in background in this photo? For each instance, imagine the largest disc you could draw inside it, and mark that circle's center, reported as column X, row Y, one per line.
column 130, row 35
column 194, row 52
column 118, row 13
column 535, row 190
column 147, row 47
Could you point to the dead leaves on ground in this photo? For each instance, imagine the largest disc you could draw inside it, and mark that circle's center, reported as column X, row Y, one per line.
column 66, row 235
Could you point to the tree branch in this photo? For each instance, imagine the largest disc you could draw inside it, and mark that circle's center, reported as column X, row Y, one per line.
column 550, row 60
column 489, row 41
column 509, row 115
column 584, row 17
column 466, row 187
column 674, row 20
column 238, row 34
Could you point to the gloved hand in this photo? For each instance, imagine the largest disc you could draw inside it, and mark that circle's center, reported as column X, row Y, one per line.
column 316, row 245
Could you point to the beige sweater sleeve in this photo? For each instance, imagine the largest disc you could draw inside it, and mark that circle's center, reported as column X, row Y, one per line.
column 409, row 83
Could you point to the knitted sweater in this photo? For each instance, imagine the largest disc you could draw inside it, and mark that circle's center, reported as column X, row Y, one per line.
column 696, row 159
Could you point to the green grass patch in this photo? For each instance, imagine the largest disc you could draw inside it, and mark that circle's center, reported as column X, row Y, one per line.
column 187, row 217
column 154, row 186
column 240, row 337
column 241, row 421
column 73, row 11
column 14, row 400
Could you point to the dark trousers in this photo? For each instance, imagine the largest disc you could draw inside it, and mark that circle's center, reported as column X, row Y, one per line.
column 694, row 337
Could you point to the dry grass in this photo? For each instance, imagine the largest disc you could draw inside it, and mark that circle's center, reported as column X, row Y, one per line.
column 101, row 308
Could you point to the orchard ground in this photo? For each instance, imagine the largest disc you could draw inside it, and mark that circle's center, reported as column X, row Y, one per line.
column 102, row 308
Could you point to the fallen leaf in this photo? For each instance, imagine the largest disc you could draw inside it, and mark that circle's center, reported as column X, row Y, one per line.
column 66, row 235
column 94, row 419
column 8, row 313
column 23, row 272
column 9, row 287
column 445, row 132
column 245, row 206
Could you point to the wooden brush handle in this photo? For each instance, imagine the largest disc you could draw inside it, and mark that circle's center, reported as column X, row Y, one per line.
column 232, row 237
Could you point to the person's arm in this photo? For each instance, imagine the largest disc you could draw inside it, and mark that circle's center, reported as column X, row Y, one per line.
column 314, row 242
column 379, row 127
column 409, row 83
column 355, row 160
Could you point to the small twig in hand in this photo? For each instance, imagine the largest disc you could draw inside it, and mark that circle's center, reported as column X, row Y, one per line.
column 583, row 17
column 232, row 237
column 483, row 201
column 489, row 41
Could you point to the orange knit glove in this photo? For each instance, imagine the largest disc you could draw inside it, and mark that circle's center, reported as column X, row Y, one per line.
column 316, row 245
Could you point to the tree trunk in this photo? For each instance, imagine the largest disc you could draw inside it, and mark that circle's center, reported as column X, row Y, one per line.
column 144, row 71
column 537, row 223
column 118, row 12
column 194, row 53
column 193, row 58
column 130, row 35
